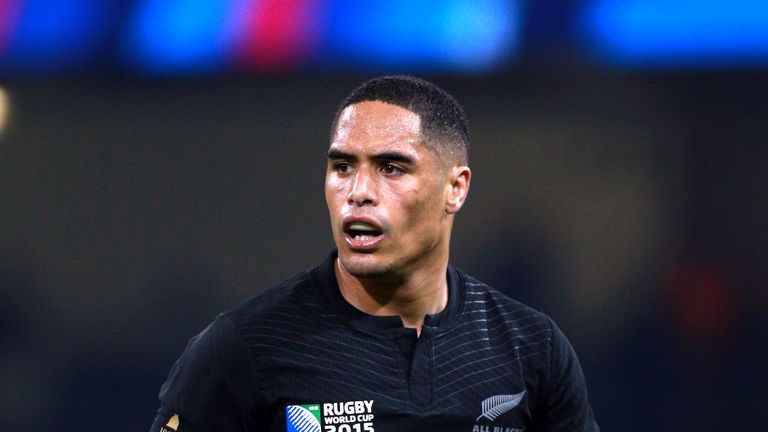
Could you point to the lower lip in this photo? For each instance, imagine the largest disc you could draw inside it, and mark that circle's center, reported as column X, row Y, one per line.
column 363, row 245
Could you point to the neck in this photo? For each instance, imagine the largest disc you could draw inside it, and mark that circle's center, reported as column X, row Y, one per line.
column 412, row 298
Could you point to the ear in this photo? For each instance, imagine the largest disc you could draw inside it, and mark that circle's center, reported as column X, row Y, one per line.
column 458, row 188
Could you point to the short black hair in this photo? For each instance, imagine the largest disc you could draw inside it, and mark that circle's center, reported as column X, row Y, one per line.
column 444, row 125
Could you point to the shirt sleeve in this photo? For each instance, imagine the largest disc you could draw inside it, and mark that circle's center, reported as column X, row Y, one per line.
column 211, row 386
column 567, row 405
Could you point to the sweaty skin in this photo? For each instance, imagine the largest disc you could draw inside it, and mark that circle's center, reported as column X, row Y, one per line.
column 391, row 201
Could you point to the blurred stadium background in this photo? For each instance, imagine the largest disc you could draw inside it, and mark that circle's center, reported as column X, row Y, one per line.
column 162, row 160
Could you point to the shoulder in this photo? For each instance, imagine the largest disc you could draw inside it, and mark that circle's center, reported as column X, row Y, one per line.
column 279, row 298
column 282, row 316
column 516, row 331
column 483, row 301
column 297, row 301
column 222, row 366
column 549, row 365
column 228, row 343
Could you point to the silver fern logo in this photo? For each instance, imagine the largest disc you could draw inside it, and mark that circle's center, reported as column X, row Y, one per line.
column 497, row 405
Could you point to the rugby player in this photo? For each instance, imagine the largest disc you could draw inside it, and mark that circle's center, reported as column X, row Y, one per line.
column 384, row 335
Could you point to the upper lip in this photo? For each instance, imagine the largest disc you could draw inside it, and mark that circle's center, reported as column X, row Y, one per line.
column 347, row 221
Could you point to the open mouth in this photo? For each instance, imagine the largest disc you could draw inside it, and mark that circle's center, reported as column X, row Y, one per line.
column 362, row 231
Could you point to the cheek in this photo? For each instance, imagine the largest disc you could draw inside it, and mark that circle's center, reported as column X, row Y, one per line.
column 333, row 189
column 420, row 207
column 332, row 202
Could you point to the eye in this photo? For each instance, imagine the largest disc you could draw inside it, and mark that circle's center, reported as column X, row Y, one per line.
column 391, row 169
column 342, row 167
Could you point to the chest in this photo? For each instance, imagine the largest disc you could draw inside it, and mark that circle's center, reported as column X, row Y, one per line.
column 343, row 381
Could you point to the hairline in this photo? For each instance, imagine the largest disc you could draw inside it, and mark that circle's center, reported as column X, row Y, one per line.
column 443, row 151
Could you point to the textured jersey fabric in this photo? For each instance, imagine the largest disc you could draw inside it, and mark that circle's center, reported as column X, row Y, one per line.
column 298, row 357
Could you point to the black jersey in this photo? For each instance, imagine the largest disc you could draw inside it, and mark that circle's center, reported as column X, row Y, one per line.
column 298, row 357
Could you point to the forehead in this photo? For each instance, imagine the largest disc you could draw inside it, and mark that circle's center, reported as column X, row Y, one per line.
column 377, row 125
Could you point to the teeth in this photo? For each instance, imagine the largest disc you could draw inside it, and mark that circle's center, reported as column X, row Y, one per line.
column 363, row 237
column 361, row 226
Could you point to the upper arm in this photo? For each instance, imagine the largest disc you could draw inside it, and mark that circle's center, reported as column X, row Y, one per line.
column 211, row 386
column 566, row 404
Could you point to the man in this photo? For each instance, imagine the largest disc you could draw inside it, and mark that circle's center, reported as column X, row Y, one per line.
column 384, row 335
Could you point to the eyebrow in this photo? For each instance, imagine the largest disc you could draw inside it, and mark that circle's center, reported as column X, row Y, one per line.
column 336, row 155
column 383, row 156
column 394, row 157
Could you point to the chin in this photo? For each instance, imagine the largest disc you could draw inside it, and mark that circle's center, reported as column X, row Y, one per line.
column 363, row 266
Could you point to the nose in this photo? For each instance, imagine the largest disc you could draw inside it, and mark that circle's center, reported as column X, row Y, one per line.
column 363, row 189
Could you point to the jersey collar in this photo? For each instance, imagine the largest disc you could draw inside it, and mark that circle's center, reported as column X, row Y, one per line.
column 325, row 278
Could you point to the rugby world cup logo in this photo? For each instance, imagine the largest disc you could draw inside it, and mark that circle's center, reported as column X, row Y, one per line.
column 303, row 418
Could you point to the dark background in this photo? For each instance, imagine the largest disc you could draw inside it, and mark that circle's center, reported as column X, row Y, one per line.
column 630, row 207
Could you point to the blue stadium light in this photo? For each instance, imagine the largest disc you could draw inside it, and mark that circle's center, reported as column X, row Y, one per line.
column 53, row 36
column 717, row 33
column 181, row 36
column 456, row 35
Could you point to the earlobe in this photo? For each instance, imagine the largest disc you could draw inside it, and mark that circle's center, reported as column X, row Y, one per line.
column 458, row 188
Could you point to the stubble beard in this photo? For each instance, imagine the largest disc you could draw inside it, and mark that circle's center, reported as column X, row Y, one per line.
column 388, row 270
column 366, row 268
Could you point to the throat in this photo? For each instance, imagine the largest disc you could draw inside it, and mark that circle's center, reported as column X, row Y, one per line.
column 412, row 300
